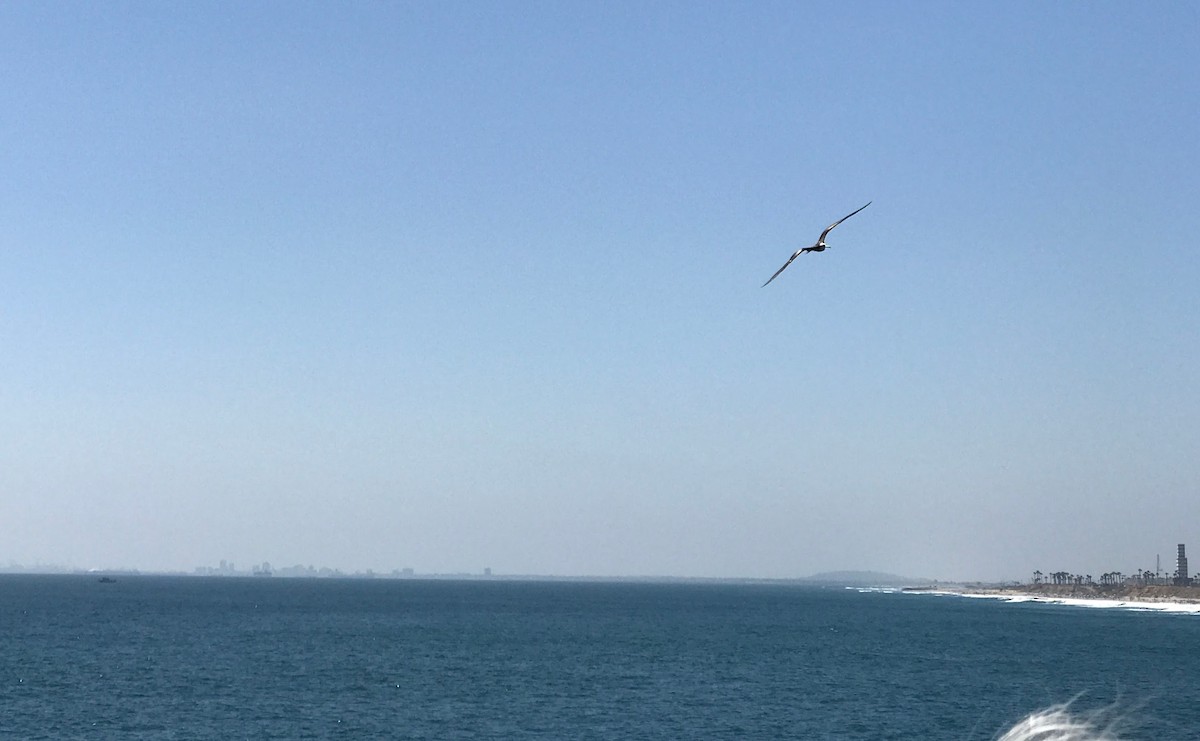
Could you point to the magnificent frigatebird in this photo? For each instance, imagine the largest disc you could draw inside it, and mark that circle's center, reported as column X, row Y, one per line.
column 818, row 247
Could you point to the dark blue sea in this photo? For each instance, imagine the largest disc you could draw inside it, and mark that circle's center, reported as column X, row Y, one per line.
column 228, row 658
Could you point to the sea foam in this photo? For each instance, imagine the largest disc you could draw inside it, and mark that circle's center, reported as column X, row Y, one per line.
column 1187, row 608
column 1058, row 723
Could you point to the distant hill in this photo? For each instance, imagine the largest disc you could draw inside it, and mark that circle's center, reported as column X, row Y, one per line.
column 864, row 579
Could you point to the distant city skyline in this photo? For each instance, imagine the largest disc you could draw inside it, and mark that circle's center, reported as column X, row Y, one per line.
column 226, row 567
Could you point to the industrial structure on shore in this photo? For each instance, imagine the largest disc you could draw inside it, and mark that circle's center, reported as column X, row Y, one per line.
column 1181, row 577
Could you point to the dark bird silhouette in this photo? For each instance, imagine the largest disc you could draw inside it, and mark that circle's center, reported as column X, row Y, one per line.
column 818, row 247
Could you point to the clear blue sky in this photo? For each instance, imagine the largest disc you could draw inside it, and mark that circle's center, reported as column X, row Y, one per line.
column 465, row 285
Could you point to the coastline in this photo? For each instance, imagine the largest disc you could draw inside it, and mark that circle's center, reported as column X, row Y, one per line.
column 1145, row 598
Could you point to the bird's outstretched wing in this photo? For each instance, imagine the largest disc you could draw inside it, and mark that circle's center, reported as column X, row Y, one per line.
column 795, row 254
column 831, row 226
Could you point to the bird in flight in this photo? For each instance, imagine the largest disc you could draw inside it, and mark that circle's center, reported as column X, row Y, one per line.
column 818, row 247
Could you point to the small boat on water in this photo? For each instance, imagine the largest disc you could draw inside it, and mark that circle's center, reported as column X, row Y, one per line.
column 107, row 580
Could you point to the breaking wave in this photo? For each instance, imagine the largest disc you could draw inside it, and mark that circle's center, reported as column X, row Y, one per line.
column 1058, row 723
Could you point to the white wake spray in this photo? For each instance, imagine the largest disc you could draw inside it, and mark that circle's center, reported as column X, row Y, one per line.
column 1057, row 723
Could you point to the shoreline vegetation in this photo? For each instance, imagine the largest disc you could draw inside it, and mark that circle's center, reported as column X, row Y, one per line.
column 1106, row 592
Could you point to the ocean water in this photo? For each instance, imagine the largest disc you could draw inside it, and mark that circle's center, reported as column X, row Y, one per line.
column 198, row 658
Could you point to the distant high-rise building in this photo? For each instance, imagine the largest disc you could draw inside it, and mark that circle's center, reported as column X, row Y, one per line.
column 1181, row 569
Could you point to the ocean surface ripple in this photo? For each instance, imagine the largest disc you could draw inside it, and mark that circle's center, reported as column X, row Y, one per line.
column 211, row 658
